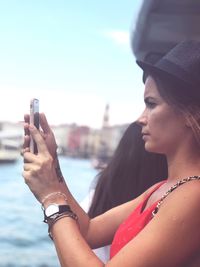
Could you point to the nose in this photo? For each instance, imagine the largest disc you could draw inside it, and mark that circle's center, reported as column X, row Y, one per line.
column 142, row 119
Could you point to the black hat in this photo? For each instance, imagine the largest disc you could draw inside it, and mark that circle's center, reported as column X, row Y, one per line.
column 181, row 63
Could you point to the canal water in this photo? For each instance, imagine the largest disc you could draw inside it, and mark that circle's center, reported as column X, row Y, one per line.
column 23, row 236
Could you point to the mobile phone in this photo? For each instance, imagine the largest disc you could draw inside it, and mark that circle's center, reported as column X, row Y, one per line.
column 34, row 119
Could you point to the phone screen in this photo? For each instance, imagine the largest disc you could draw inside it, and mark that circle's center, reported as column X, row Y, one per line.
column 34, row 119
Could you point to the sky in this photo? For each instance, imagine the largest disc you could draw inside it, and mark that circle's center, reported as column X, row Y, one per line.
column 74, row 56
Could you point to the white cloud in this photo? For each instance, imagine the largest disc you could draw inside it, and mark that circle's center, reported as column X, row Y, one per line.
column 119, row 37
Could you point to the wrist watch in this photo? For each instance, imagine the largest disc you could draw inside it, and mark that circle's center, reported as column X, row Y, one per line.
column 54, row 208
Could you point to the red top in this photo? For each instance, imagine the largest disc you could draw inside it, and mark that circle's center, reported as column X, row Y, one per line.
column 136, row 221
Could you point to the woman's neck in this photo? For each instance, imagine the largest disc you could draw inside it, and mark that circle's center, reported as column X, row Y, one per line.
column 183, row 164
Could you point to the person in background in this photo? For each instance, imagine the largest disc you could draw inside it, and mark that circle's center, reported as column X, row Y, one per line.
column 161, row 226
column 131, row 168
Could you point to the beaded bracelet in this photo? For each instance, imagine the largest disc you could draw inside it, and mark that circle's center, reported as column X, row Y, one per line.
column 57, row 217
column 53, row 194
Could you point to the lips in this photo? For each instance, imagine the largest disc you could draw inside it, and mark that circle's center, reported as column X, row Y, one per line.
column 145, row 135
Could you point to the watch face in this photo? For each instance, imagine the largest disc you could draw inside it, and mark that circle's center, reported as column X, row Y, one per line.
column 51, row 209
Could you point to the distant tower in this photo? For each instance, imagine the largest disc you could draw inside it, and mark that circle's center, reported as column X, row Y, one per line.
column 103, row 151
column 106, row 117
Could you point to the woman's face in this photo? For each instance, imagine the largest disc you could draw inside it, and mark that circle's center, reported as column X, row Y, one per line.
column 163, row 127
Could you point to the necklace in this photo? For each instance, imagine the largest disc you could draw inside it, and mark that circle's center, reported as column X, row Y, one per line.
column 180, row 182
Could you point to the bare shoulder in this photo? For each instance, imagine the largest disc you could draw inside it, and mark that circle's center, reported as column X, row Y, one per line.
column 181, row 207
column 185, row 197
column 172, row 237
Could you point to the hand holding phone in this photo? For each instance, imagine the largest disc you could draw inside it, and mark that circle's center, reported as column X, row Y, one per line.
column 34, row 119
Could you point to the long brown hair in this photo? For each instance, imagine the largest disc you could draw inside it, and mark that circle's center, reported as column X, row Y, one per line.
column 181, row 97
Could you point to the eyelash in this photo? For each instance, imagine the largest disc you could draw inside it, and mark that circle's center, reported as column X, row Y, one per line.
column 150, row 104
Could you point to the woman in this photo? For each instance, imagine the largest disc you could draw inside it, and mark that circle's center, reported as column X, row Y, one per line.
column 131, row 168
column 154, row 229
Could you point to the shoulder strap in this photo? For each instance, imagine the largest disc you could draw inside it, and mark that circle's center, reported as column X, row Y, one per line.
column 180, row 182
column 155, row 188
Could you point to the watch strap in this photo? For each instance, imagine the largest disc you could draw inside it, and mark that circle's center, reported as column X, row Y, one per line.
column 64, row 208
column 61, row 209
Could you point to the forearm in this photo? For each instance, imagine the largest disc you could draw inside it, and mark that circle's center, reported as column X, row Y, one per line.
column 83, row 218
column 72, row 249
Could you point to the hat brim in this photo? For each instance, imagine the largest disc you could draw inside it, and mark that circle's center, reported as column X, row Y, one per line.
column 153, row 69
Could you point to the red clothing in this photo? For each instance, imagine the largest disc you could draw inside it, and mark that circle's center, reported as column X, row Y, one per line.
column 136, row 221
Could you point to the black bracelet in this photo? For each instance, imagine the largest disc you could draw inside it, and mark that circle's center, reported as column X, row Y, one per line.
column 59, row 216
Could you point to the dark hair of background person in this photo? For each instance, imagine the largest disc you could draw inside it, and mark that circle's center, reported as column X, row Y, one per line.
column 129, row 173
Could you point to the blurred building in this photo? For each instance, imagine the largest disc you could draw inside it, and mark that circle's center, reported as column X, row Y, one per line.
column 82, row 141
column 72, row 140
column 11, row 140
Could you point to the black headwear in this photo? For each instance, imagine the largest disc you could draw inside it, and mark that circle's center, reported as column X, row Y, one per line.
column 182, row 64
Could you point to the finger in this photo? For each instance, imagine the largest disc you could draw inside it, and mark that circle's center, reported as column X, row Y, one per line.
column 26, row 141
column 29, row 157
column 44, row 123
column 44, row 135
column 27, row 118
column 42, row 148
column 25, row 161
column 26, row 129
column 24, row 150
column 27, row 149
column 26, row 167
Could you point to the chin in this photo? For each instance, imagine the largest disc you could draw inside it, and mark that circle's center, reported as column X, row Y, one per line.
column 150, row 148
